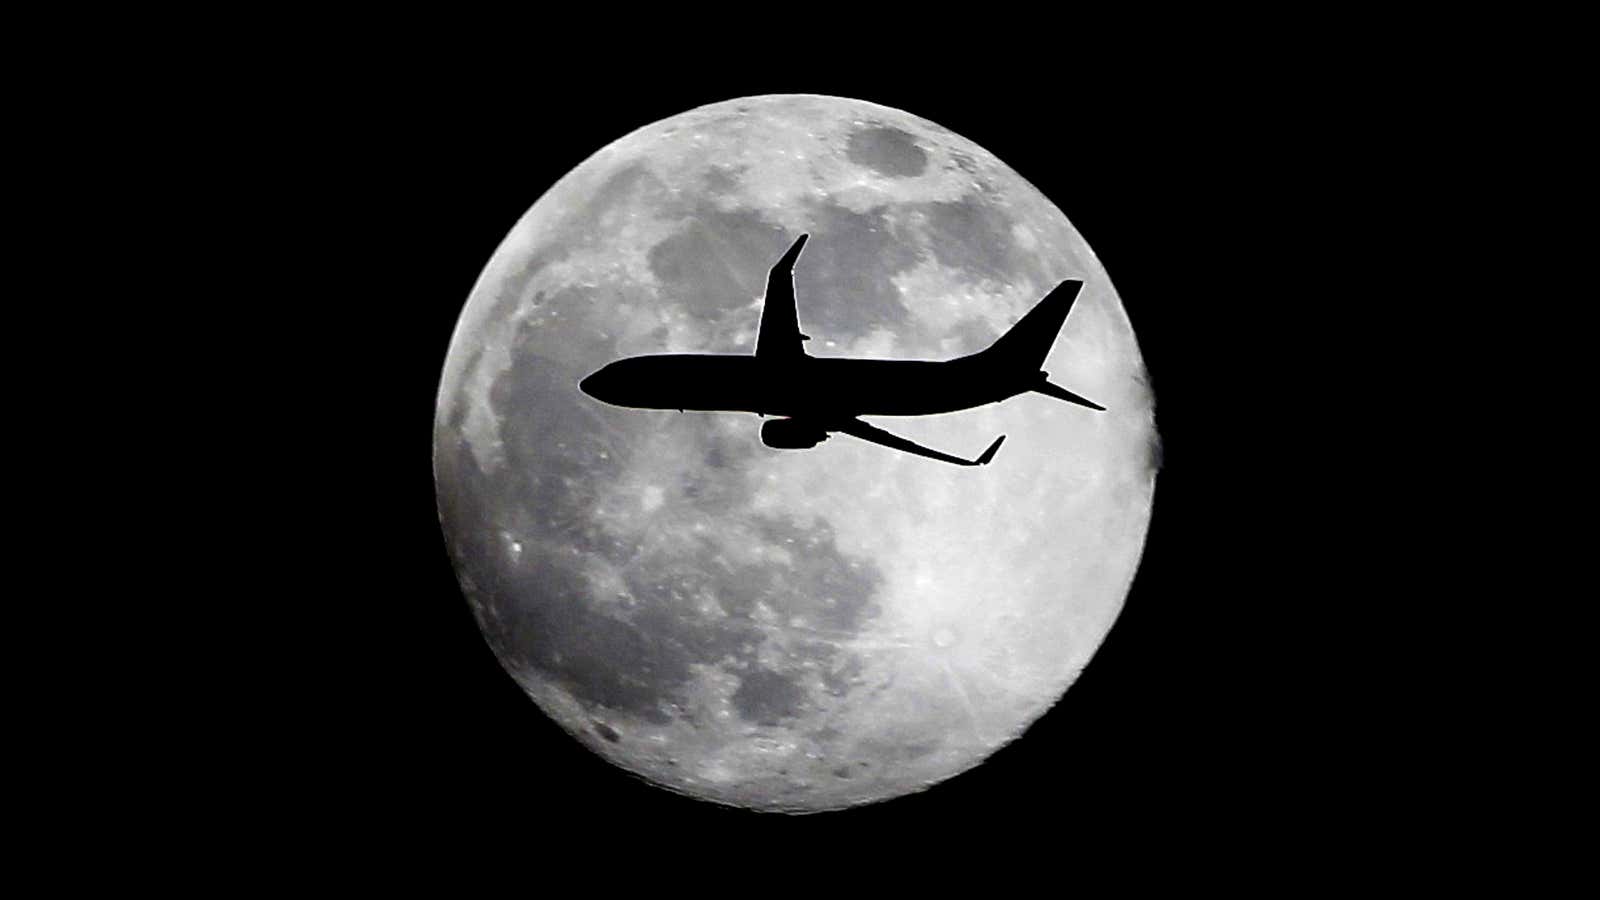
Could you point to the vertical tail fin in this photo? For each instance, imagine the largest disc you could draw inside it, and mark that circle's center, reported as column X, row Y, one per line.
column 780, row 337
column 1029, row 341
column 1020, row 352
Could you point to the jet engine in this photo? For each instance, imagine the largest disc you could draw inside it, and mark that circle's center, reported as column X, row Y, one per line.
column 787, row 434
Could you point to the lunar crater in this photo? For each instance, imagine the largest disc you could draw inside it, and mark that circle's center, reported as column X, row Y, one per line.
column 887, row 150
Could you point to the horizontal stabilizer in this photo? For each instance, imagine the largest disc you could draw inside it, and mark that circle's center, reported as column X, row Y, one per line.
column 1061, row 393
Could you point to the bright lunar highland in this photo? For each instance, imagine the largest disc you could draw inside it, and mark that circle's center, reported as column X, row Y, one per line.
column 780, row 629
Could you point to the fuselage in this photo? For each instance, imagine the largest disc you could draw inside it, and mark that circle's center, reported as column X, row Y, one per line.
column 807, row 387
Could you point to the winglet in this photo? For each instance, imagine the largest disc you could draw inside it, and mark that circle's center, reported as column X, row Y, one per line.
column 993, row 449
column 793, row 252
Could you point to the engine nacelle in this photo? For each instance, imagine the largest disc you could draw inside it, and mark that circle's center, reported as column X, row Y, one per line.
column 787, row 434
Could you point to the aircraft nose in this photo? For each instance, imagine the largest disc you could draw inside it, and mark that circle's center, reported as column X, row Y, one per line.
column 600, row 384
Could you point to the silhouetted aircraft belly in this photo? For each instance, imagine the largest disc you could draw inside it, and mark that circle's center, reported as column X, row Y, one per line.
column 681, row 381
column 829, row 388
column 816, row 396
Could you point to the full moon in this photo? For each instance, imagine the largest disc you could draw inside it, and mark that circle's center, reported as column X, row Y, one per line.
column 789, row 630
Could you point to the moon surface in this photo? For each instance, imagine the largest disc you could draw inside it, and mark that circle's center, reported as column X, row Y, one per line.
column 789, row 630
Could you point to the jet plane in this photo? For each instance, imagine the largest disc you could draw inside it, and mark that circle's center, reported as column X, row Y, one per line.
column 813, row 397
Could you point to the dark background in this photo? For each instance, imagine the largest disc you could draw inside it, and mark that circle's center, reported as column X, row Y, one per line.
column 1212, row 695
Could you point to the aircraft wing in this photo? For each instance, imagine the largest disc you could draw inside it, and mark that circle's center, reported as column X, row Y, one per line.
column 780, row 336
column 859, row 429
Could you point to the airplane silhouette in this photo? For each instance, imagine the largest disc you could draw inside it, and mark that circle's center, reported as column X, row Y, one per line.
column 816, row 396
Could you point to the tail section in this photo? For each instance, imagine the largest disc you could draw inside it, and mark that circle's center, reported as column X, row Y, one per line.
column 1021, row 352
column 1028, row 342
